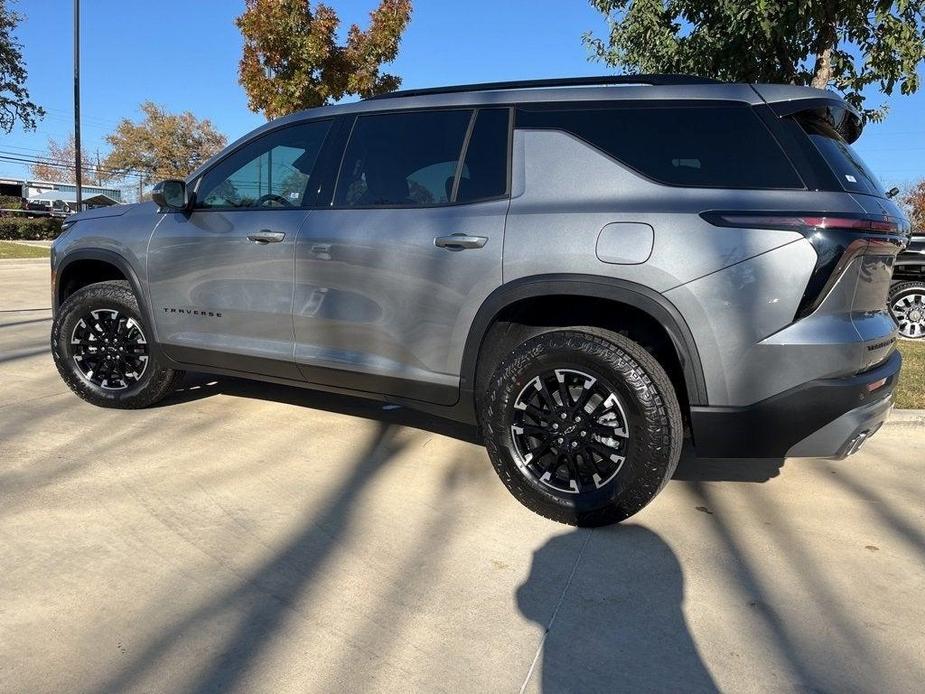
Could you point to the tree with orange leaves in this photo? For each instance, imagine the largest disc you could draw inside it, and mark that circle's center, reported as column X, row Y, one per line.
column 292, row 60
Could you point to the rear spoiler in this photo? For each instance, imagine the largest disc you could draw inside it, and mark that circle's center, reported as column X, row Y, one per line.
column 790, row 100
column 846, row 121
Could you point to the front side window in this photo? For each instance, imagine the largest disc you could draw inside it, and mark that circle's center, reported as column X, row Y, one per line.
column 272, row 171
column 402, row 159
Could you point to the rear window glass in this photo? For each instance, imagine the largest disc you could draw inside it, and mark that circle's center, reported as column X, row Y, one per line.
column 704, row 146
column 851, row 172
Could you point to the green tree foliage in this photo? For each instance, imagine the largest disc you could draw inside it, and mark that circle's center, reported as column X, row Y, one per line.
column 162, row 145
column 292, row 60
column 850, row 45
column 14, row 97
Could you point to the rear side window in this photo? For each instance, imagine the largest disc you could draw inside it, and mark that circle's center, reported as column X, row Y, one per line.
column 402, row 159
column 851, row 172
column 705, row 146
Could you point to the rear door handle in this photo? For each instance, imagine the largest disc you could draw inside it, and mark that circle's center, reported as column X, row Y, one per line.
column 265, row 236
column 458, row 242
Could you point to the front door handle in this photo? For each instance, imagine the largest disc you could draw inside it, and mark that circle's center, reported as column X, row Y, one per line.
column 458, row 242
column 265, row 236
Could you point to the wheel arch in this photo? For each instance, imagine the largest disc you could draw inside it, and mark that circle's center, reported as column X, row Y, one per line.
column 614, row 292
column 97, row 265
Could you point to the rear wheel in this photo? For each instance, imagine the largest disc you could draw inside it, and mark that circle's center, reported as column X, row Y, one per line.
column 582, row 425
column 907, row 304
column 102, row 349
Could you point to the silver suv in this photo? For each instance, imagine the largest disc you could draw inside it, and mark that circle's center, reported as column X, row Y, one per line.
column 582, row 268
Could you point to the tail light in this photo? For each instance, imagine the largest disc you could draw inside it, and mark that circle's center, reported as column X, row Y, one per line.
column 805, row 222
column 838, row 239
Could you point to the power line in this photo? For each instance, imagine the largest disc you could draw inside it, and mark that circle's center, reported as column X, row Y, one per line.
column 17, row 158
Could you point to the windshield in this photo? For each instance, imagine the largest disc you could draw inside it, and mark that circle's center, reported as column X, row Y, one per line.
column 845, row 163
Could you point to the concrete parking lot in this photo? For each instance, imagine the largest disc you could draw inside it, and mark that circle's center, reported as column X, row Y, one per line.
column 244, row 537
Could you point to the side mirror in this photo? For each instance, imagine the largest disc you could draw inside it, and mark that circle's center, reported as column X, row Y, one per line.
column 170, row 195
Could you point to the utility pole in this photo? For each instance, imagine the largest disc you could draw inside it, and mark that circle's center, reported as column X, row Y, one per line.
column 77, row 158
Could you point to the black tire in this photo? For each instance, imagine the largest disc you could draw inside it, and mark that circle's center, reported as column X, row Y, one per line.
column 645, row 398
column 907, row 305
column 114, row 299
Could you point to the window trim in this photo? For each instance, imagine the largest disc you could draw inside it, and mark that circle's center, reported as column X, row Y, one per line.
column 658, row 104
column 464, row 151
column 250, row 140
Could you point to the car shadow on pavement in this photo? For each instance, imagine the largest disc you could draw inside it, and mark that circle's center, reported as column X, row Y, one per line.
column 197, row 386
column 694, row 469
column 617, row 624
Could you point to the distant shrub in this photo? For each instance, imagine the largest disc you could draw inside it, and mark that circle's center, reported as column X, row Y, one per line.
column 10, row 202
column 26, row 229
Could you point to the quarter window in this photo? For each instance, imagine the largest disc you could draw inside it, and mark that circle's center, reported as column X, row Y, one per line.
column 721, row 146
column 272, row 171
column 845, row 163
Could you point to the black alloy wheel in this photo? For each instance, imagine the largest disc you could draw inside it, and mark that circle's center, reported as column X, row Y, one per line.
column 109, row 348
column 570, row 431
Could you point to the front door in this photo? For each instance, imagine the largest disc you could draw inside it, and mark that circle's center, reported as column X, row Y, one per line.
column 391, row 275
column 221, row 276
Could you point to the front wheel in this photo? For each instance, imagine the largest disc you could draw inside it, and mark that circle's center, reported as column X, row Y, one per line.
column 582, row 425
column 102, row 349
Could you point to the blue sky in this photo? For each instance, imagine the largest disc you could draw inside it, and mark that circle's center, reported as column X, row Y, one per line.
column 184, row 54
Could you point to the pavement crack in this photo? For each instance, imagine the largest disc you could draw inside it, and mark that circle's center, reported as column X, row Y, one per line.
column 555, row 612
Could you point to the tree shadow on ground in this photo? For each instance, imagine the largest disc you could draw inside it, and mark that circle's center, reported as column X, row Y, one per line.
column 617, row 624
column 261, row 603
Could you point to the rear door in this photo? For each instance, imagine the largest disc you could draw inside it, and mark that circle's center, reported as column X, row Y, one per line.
column 221, row 276
column 391, row 274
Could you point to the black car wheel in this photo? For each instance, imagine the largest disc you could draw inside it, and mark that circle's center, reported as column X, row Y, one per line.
column 907, row 304
column 103, row 352
column 582, row 425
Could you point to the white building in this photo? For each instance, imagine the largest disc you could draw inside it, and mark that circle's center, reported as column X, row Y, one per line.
column 48, row 192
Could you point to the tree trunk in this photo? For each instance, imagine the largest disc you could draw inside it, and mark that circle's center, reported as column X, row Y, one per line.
column 825, row 44
column 822, row 72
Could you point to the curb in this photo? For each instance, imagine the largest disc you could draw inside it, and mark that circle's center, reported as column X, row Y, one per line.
column 29, row 261
column 30, row 242
column 906, row 418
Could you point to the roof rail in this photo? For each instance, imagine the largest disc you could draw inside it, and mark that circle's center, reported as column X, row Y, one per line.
column 603, row 80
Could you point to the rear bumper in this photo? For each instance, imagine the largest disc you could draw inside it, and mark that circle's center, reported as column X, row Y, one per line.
column 828, row 418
